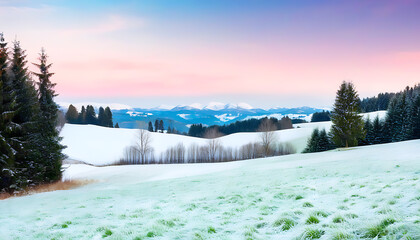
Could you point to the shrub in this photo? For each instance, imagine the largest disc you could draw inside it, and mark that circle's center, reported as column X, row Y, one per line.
column 312, row 220
column 285, row 223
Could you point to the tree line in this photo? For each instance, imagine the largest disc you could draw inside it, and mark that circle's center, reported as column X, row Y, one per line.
column 323, row 116
column 250, row 125
column 377, row 103
column 212, row 151
column 88, row 116
column 29, row 135
column 402, row 121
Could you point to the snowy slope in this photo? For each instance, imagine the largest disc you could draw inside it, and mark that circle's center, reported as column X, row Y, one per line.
column 100, row 146
column 350, row 192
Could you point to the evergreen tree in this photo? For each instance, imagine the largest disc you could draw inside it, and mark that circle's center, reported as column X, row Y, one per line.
column 51, row 148
column 156, row 125
column 150, row 128
column 28, row 141
column 72, row 116
column 377, row 131
column 101, row 117
column 416, row 117
column 91, row 115
column 321, row 116
column 161, row 127
column 324, row 143
column 347, row 124
column 82, row 116
column 108, row 118
column 312, row 145
column 369, row 133
column 169, row 130
column 6, row 128
column 117, row 126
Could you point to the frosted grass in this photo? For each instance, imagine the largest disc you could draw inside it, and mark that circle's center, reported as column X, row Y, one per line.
column 359, row 193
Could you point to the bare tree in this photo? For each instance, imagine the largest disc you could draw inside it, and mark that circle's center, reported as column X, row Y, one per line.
column 143, row 145
column 267, row 136
column 214, row 144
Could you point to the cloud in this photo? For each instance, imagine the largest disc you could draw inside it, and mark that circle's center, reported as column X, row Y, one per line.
column 110, row 24
column 16, row 10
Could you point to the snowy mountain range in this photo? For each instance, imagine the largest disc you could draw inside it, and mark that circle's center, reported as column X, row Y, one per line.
column 182, row 116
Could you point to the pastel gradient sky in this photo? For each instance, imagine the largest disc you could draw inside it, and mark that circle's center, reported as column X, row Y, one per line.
column 266, row 53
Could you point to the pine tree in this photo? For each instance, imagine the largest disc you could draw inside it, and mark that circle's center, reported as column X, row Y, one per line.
column 169, row 130
column 117, row 126
column 51, row 148
column 101, row 117
column 312, row 145
column 108, row 118
column 82, row 116
column 150, row 128
column 377, row 128
column 72, row 116
column 324, row 143
column 161, row 127
column 28, row 141
column 91, row 115
column 416, row 117
column 6, row 128
column 156, row 125
column 369, row 133
column 347, row 124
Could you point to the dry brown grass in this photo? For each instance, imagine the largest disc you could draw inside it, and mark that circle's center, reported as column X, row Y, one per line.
column 47, row 187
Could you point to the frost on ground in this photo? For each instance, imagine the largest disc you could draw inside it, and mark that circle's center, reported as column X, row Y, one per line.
column 359, row 193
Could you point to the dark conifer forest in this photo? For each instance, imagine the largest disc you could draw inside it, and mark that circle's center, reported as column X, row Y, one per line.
column 88, row 116
column 251, row 125
column 402, row 121
column 29, row 138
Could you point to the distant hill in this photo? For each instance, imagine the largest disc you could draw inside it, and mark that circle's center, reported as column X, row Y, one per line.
column 182, row 116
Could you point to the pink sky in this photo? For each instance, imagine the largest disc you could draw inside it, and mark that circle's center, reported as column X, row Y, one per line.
column 291, row 55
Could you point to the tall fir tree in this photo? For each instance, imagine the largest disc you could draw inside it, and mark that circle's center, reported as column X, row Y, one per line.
column 108, row 118
column 156, row 125
column 377, row 131
column 91, row 115
column 101, row 117
column 161, row 126
column 72, row 116
column 82, row 116
column 347, row 125
column 416, row 117
column 51, row 154
column 150, row 127
column 6, row 127
column 28, row 142
column 369, row 133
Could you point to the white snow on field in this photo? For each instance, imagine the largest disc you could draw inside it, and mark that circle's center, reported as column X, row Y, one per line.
column 372, row 115
column 349, row 192
column 101, row 146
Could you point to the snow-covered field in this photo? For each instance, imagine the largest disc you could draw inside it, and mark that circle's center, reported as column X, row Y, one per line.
column 356, row 193
column 101, row 146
